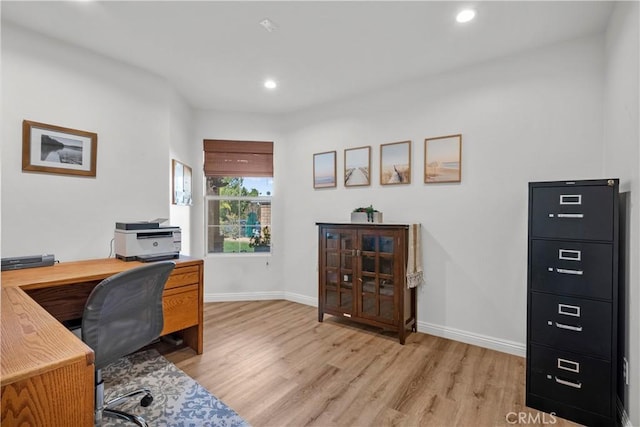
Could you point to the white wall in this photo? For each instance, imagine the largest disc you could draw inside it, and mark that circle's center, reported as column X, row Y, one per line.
column 183, row 148
column 237, row 277
column 622, row 159
column 534, row 116
column 74, row 217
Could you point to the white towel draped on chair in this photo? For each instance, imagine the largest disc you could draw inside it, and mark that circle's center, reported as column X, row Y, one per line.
column 415, row 275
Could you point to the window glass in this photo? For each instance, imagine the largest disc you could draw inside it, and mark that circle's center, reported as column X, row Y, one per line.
column 238, row 214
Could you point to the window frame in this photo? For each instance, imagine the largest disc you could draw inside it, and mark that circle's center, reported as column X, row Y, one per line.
column 259, row 199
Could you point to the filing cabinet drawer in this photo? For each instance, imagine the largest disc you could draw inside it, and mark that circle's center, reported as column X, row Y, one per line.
column 573, row 268
column 180, row 308
column 574, row 379
column 572, row 212
column 573, row 324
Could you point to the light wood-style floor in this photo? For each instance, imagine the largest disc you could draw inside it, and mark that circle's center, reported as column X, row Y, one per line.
column 276, row 365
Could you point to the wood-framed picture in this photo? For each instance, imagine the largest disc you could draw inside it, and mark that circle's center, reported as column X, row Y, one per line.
column 59, row 150
column 357, row 166
column 181, row 184
column 443, row 159
column 395, row 163
column 324, row 169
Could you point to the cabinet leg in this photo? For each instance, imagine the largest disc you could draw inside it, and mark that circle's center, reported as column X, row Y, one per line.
column 320, row 316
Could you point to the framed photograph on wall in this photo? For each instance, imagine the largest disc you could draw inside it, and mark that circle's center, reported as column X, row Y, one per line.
column 324, row 169
column 181, row 184
column 443, row 159
column 395, row 163
column 357, row 167
column 59, row 150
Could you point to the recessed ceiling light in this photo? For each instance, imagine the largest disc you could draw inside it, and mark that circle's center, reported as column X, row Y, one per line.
column 270, row 84
column 466, row 15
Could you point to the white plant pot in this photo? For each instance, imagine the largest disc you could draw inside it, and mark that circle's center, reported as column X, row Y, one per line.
column 362, row 217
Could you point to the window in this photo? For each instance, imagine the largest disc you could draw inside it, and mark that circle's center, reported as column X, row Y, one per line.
column 239, row 183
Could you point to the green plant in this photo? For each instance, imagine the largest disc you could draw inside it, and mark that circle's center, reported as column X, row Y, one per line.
column 263, row 238
column 369, row 211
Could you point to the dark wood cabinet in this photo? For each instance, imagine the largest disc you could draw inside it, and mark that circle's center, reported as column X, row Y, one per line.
column 572, row 316
column 362, row 275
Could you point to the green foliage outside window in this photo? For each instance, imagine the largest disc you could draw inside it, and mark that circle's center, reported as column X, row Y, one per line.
column 231, row 211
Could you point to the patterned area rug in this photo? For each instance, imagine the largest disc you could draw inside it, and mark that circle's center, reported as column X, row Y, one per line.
column 178, row 400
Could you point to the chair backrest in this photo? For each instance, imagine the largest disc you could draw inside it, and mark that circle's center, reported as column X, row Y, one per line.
column 124, row 312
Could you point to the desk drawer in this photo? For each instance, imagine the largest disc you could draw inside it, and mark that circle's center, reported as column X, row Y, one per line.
column 182, row 276
column 180, row 308
column 572, row 268
column 571, row 378
column 573, row 324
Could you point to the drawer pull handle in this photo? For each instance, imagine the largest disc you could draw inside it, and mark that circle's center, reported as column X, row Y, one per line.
column 568, row 383
column 571, row 199
column 569, row 365
column 571, row 215
column 569, row 327
column 569, row 310
column 569, row 255
column 567, row 271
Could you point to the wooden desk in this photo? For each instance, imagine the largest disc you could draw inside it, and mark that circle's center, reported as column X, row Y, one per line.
column 46, row 371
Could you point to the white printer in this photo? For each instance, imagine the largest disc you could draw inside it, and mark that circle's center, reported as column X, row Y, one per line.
column 146, row 241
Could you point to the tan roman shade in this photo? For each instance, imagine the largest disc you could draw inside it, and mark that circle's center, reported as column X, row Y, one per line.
column 238, row 158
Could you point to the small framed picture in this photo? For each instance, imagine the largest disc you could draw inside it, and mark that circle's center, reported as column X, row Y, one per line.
column 324, row 169
column 55, row 149
column 357, row 167
column 443, row 159
column 181, row 178
column 395, row 163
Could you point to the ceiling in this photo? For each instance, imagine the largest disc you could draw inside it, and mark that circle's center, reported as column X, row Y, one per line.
column 217, row 55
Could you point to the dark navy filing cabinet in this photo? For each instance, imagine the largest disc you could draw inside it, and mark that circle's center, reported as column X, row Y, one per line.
column 572, row 292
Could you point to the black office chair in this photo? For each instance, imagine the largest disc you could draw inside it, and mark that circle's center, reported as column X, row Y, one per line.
column 123, row 314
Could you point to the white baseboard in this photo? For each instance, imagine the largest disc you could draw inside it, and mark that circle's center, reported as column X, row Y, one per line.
column 485, row 341
column 302, row 299
column 504, row 346
column 261, row 296
column 624, row 417
column 244, row 296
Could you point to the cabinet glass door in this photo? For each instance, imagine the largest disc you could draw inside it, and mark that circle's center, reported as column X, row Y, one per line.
column 338, row 270
column 376, row 294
